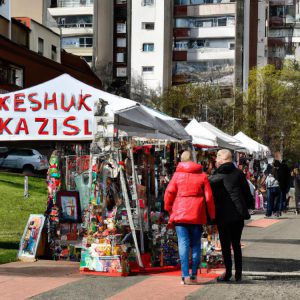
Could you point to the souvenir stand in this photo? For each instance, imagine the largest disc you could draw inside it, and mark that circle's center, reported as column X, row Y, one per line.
column 127, row 232
column 106, row 177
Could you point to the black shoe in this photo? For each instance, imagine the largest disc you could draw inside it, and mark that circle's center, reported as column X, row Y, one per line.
column 238, row 276
column 224, row 278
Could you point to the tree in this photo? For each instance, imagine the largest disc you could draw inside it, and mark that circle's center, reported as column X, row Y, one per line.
column 273, row 107
column 202, row 102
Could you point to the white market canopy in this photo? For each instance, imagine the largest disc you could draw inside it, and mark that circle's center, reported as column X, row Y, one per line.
column 63, row 109
column 201, row 135
column 251, row 145
column 205, row 134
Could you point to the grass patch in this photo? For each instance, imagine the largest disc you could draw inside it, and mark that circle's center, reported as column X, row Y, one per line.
column 15, row 210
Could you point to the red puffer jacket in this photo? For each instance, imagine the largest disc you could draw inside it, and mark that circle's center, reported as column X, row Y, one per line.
column 186, row 193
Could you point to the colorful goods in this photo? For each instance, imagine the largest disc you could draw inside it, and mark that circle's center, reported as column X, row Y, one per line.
column 31, row 237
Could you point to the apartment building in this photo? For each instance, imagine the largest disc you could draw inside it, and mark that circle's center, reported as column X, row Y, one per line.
column 204, row 41
column 284, row 31
column 137, row 35
column 75, row 20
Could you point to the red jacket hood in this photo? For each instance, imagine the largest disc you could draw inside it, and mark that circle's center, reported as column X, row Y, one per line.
column 189, row 167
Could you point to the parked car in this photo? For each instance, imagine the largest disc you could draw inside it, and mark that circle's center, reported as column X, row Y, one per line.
column 26, row 160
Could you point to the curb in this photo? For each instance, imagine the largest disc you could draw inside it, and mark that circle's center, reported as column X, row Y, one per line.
column 273, row 275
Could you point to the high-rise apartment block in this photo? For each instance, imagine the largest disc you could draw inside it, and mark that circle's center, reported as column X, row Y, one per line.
column 75, row 20
column 204, row 41
column 163, row 42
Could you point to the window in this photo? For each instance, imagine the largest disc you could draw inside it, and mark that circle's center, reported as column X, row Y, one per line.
column 40, row 46
column 11, row 74
column 79, row 21
column 121, row 27
column 148, row 47
column 147, row 2
column 21, row 152
column 222, row 22
column 147, row 69
column 121, row 42
column 121, row 72
column 231, row 46
column 53, row 52
column 86, row 42
column 148, row 25
column 88, row 59
column 120, row 57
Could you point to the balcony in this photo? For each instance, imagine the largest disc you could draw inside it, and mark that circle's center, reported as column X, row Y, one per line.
column 181, row 32
column 179, row 55
column 74, row 3
column 207, row 53
column 211, row 10
column 70, row 11
column 180, row 11
column 71, row 31
column 213, row 32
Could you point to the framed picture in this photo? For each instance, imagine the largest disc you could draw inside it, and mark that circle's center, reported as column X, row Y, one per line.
column 31, row 237
column 69, row 205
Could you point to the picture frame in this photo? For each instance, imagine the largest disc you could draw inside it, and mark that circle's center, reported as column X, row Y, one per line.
column 69, row 204
column 31, row 237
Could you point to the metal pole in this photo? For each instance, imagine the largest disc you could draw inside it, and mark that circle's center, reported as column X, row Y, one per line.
column 129, row 214
column 26, row 193
column 135, row 198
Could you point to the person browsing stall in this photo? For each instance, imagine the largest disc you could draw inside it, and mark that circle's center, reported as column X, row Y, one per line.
column 186, row 198
column 232, row 199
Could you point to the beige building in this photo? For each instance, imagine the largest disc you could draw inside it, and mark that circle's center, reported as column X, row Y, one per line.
column 30, row 8
column 42, row 40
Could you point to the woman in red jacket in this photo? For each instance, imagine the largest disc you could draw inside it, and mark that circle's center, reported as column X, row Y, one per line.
column 185, row 199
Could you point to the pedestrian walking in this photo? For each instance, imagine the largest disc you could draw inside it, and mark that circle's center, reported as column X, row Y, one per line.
column 273, row 192
column 296, row 177
column 186, row 198
column 232, row 200
column 284, row 179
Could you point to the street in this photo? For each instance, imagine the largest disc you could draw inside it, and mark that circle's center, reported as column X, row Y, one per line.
column 271, row 270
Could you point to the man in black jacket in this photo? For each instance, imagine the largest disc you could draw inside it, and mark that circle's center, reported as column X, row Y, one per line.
column 232, row 200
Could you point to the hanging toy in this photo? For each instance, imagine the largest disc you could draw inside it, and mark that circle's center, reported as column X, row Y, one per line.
column 53, row 166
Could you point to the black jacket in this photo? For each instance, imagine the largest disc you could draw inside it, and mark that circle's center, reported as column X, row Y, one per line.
column 283, row 175
column 231, row 193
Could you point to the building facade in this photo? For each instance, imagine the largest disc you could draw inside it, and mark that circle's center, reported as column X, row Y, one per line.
column 204, row 41
column 284, row 31
column 137, row 35
column 75, row 21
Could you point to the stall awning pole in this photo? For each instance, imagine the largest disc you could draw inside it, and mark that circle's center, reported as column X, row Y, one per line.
column 135, row 198
column 129, row 214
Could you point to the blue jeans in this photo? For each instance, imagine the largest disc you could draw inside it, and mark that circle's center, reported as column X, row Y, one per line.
column 273, row 200
column 282, row 205
column 189, row 236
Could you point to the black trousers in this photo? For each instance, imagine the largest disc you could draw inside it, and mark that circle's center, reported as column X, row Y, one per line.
column 230, row 235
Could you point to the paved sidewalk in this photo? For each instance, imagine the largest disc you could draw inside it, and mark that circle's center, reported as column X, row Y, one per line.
column 269, row 247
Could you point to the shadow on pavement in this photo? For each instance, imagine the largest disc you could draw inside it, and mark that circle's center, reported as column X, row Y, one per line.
column 255, row 264
column 274, row 241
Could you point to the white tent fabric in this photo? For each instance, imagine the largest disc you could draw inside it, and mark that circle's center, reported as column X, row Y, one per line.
column 66, row 87
column 220, row 134
column 252, row 145
column 201, row 135
column 205, row 134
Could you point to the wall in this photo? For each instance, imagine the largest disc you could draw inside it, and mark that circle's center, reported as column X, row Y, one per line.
column 4, row 27
column 103, row 34
column 38, row 69
column 157, row 14
column 211, row 9
column 49, row 37
column 28, row 8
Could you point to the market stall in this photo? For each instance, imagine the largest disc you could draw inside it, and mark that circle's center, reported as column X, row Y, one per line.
column 106, row 177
